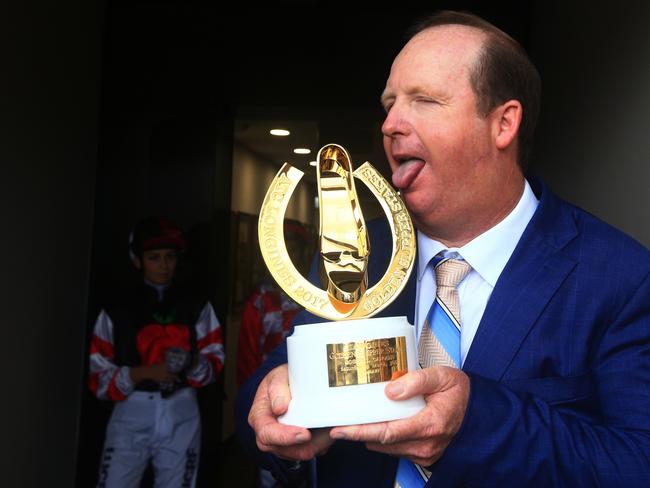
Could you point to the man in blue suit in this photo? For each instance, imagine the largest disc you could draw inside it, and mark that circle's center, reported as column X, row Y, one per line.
column 554, row 388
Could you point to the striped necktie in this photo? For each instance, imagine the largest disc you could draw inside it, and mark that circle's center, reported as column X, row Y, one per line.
column 440, row 336
column 439, row 343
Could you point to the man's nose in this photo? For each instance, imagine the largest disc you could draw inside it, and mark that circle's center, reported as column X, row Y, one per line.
column 395, row 123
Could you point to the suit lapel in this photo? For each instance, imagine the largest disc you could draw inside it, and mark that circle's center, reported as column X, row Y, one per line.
column 404, row 304
column 537, row 268
column 381, row 251
column 408, row 295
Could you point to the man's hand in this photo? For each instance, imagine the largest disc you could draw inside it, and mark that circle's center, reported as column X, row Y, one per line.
column 285, row 441
column 421, row 438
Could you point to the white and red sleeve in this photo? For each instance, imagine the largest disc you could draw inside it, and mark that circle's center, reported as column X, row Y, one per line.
column 106, row 380
column 210, row 348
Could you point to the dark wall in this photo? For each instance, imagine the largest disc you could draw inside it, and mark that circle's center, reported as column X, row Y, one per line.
column 162, row 128
column 165, row 143
column 329, row 53
column 592, row 144
column 48, row 149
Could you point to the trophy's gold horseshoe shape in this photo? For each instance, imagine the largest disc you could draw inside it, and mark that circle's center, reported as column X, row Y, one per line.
column 359, row 302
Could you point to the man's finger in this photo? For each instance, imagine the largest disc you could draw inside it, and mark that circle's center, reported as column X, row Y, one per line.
column 278, row 389
column 271, row 434
column 422, row 382
column 266, row 426
column 317, row 444
column 381, row 432
column 260, row 411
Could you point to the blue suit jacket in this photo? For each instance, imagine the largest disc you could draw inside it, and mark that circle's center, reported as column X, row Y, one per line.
column 559, row 367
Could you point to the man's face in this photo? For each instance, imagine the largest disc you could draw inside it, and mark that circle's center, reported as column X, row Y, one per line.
column 159, row 265
column 438, row 146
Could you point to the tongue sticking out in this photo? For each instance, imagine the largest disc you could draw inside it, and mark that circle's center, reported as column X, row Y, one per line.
column 406, row 173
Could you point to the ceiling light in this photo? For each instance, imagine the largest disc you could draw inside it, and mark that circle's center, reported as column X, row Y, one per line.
column 279, row 132
column 302, row 150
column 313, row 163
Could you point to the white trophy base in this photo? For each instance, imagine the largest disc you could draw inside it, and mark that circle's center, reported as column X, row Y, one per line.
column 314, row 403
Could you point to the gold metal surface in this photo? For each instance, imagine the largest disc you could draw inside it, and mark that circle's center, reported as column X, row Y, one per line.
column 343, row 239
column 372, row 361
column 344, row 244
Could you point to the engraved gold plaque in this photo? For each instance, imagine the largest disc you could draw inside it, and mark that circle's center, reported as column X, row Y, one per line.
column 372, row 361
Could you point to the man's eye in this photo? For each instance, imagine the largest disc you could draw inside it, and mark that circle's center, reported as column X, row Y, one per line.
column 387, row 104
column 428, row 101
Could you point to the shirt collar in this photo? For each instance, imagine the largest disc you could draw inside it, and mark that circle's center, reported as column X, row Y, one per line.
column 489, row 252
column 160, row 289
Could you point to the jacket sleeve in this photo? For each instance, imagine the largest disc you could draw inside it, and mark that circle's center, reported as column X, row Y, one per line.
column 599, row 438
column 281, row 470
column 106, row 380
column 210, row 348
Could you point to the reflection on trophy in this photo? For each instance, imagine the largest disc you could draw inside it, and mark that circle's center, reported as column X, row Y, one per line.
column 343, row 238
column 338, row 369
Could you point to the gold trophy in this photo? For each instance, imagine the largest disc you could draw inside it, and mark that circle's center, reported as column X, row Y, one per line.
column 338, row 369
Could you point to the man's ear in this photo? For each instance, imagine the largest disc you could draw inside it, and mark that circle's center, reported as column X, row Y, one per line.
column 136, row 262
column 506, row 122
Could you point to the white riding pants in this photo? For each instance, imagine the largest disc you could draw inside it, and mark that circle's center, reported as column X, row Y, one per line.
column 148, row 428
